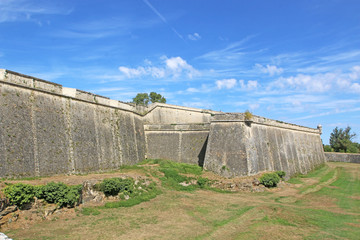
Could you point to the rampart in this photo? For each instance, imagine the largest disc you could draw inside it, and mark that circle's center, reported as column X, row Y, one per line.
column 238, row 146
column 48, row 129
column 342, row 157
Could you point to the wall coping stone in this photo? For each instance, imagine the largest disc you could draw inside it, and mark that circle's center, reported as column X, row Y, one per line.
column 240, row 117
column 177, row 127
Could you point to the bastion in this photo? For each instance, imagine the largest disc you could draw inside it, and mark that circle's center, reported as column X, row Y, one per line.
column 47, row 129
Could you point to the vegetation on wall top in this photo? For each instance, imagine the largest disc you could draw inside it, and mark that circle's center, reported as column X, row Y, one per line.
column 144, row 98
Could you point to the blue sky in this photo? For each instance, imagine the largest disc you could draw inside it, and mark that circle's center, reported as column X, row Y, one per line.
column 294, row 61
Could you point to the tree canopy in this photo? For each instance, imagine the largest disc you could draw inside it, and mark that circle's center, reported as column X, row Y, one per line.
column 341, row 140
column 144, row 98
column 156, row 97
column 141, row 99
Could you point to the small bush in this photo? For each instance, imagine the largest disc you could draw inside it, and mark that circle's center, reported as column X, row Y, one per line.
column 113, row 186
column 248, row 115
column 269, row 180
column 281, row 174
column 327, row 148
column 59, row 193
column 19, row 194
column 203, row 182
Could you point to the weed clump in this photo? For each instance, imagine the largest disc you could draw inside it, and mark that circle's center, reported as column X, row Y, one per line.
column 270, row 180
column 203, row 182
column 248, row 115
column 113, row 186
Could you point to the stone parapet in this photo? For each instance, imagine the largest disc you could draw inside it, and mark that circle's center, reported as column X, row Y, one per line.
column 240, row 117
column 342, row 157
column 178, row 127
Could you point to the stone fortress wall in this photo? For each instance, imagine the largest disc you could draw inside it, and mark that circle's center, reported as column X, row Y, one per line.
column 237, row 146
column 48, row 129
column 342, row 157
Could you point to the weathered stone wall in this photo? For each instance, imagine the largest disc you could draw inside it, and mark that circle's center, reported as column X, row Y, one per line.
column 160, row 113
column 47, row 129
column 178, row 142
column 237, row 147
column 342, row 157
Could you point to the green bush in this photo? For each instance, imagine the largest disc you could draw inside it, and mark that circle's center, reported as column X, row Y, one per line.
column 353, row 148
column 248, row 115
column 270, row 180
column 281, row 174
column 327, row 148
column 19, row 194
column 203, row 182
column 113, row 186
column 59, row 193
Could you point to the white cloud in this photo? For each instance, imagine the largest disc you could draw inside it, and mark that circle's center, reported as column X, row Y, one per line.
column 254, row 106
column 176, row 63
column 355, row 73
column 355, row 87
column 232, row 82
column 229, row 54
column 321, row 82
column 142, row 71
column 194, row 36
column 24, row 10
column 250, row 85
column 270, row 69
column 192, row 90
column 226, row 83
column 172, row 67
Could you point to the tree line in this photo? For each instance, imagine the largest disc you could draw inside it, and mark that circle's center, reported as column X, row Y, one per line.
column 342, row 140
column 144, row 98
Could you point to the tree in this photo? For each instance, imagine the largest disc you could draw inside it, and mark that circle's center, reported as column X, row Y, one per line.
column 156, row 97
column 144, row 98
column 141, row 99
column 327, row 148
column 341, row 139
column 353, row 148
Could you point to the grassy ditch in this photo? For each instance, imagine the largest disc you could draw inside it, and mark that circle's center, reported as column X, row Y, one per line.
column 286, row 212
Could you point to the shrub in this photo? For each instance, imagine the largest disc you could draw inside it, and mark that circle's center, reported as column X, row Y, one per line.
column 248, row 115
column 59, row 193
column 327, row 148
column 19, row 194
column 281, row 174
column 270, row 179
column 203, row 182
column 113, row 186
